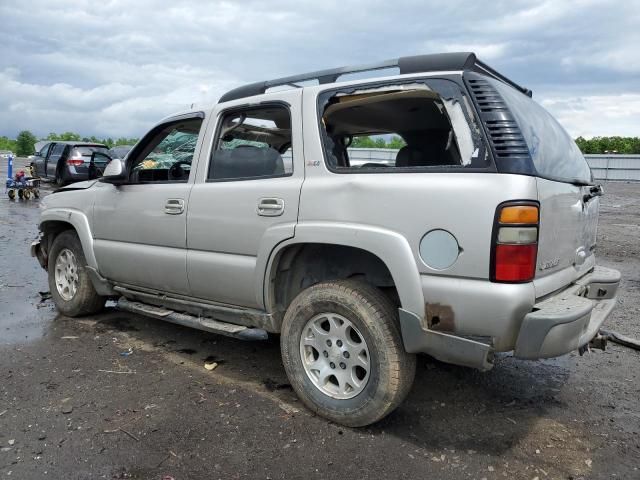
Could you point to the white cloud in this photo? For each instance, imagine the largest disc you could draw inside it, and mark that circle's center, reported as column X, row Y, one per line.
column 597, row 115
column 114, row 68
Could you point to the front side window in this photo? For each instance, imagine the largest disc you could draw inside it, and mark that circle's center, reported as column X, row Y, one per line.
column 252, row 143
column 168, row 153
column 44, row 150
column 400, row 127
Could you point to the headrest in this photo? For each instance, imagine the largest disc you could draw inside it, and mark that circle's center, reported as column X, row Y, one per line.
column 408, row 157
column 247, row 161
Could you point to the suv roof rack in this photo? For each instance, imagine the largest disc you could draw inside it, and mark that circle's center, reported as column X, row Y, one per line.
column 414, row 64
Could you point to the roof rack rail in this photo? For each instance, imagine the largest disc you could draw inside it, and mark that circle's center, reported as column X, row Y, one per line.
column 414, row 64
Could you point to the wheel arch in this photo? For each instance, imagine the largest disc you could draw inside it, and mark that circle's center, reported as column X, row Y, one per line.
column 387, row 250
column 56, row 220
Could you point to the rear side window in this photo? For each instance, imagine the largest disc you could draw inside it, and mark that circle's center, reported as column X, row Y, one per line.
column 252, row 143
column 58, row 149
column 554, row 153
column 87, row 150
column 405, row 127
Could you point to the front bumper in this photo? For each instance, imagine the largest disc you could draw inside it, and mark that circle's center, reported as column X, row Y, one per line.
column 38, row 252
column 568, row 320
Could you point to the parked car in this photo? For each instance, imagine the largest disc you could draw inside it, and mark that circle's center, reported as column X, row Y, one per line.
column 479, row 238
column 65, row 162
column 6, row 154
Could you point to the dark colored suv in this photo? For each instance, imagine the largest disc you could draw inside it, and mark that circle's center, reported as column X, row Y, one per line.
column 68, row 162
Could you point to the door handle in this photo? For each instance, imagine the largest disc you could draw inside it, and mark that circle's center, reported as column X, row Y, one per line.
column 270, row 207
column 174, row 206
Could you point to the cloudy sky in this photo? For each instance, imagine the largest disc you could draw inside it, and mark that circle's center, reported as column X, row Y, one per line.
column 115, row 67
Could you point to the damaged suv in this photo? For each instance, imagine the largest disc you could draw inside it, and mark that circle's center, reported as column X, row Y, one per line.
column 252, row 218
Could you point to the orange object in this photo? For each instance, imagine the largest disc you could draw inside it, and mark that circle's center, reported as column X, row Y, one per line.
column 527, row 214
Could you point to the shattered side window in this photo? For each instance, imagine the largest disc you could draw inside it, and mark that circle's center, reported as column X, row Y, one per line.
column 402, row 127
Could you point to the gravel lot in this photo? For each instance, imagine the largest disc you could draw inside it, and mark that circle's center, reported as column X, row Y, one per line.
column 75, row 405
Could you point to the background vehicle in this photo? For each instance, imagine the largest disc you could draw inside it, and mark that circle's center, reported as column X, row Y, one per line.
column 6, row 153
column 120, row 151
column 67, row 162
column 478, row 238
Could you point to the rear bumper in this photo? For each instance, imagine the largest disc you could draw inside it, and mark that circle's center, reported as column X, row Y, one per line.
column 569, row 319
column 477, row 318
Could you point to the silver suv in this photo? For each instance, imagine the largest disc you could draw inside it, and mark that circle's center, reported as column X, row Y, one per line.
column 251, row 218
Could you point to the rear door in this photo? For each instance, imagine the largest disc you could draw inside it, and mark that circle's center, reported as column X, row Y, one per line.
column 56, row 154
column 568, row 200
column 246, row 198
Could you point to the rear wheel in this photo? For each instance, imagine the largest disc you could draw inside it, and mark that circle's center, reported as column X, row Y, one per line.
column 12, row 194
column 69, row 283
column 343, row 352
column 60, row 179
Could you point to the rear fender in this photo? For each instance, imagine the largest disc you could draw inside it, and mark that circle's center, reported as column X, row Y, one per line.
column 389, row 246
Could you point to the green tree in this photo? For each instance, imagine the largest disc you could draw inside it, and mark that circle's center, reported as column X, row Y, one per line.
column 25, row 143
column 7, row 144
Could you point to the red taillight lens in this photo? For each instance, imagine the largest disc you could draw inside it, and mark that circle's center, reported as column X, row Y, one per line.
column 515, row 263
column 515, row 242
column 74, row 162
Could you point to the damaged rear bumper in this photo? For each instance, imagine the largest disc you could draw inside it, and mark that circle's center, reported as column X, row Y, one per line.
column 570, row 319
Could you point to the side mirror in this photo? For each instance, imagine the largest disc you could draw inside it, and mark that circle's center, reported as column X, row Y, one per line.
column 114, row 172
column 37, row 154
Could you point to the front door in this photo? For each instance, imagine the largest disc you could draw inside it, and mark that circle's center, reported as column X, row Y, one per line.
column 140, row 227
column 245, row 200
column 40, row 160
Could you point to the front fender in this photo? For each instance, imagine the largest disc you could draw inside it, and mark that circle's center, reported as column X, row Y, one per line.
column 389, row 246
column 79, row 221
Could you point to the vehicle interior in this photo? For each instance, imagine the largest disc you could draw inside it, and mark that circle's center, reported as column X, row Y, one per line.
column 167, row 156
column 253, row 143
column 418, row 117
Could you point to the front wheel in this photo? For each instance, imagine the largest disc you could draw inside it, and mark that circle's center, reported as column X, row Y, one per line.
column 69, row 283
column 343, row 352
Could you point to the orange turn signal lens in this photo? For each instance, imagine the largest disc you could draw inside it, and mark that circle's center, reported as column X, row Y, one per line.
column 519, row 214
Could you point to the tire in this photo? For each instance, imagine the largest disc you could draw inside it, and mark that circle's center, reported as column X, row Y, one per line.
column 74, row 297
column 12, row 194
column 20, row 193
column 59, row 178
column 366, row 314
column 27, row 194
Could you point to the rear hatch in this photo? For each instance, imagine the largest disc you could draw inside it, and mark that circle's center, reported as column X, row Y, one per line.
column 567, row 238
column 569, row 201
column 85, row 152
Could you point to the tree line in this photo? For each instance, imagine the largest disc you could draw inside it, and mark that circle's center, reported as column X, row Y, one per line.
column 23, row 144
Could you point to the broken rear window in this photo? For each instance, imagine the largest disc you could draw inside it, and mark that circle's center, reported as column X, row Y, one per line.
column 402, row 127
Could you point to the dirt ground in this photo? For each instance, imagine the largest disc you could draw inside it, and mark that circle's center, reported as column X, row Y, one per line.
column 119, row 396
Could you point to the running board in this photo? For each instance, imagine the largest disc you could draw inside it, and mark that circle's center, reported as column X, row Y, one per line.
column 201, row 323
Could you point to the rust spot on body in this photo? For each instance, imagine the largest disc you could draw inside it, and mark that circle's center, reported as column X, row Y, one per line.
column 440, row 317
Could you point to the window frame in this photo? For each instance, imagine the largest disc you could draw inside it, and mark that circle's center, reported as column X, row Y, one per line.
column 150, row 135
column 456, row 80
column 216, row 136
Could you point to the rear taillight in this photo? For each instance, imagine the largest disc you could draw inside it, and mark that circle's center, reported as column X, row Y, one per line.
column 75, row 162
column 515, row 242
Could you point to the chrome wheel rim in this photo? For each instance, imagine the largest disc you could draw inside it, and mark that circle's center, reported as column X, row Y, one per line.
column 335, row 356
column 66, row 274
